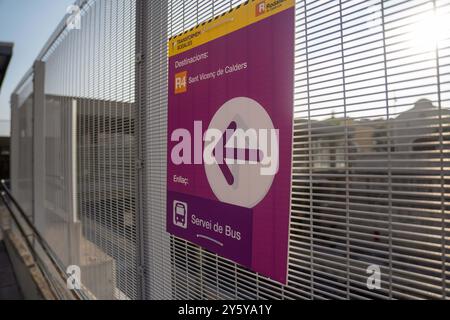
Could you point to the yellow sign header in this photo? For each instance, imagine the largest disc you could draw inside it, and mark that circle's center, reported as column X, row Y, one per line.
column 242, row 16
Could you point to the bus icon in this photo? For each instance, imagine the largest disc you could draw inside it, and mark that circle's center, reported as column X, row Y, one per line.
column 180, row 214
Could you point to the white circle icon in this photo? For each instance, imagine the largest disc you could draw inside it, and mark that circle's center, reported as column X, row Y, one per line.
column 235, row 182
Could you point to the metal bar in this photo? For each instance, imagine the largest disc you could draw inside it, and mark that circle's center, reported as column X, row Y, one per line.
column 38, row 149
column 14, row 165
column 140, row 106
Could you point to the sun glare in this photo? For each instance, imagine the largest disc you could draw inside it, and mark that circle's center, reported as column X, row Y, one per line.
column 430, row 31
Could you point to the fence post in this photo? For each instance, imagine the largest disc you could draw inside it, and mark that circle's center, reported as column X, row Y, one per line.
column 38, row 140
column 152, row 34
column 138, row 147
column 14, row 156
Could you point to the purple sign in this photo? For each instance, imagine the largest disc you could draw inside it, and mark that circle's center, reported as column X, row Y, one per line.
column 230, row 135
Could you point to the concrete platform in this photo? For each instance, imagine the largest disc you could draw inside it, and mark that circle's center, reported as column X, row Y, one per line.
column 9, row 288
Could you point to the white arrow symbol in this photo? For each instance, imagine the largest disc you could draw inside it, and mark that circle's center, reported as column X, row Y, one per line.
column 234, row 153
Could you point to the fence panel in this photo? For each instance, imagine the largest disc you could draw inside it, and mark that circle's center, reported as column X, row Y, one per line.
column 22, row 168
column 370, row 159
column 371, row 150
column 89, row 216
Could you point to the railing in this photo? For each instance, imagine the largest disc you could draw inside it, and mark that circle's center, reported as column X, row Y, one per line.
column 35, row 240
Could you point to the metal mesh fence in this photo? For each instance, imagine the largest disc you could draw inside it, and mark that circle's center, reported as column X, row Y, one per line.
column 371, row 148
column 370, row 159
column 370, row 156
column 89, row 211
column 91, row 70
column 22, row 129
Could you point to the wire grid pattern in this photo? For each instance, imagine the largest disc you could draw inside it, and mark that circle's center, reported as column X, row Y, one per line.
column 54, row 222
column 372, row 148
column 90, row 110
column 370, row 163
column 22, row 168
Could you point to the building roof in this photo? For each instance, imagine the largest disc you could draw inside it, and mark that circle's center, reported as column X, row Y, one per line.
column 6, row 50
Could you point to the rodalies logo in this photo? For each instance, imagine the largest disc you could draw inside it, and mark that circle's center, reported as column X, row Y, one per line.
column 263, row 7
column 260, row 8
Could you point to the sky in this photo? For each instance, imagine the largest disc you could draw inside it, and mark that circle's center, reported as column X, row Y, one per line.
column 28, row 24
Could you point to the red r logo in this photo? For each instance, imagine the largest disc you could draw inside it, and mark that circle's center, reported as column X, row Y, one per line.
column 260, row 8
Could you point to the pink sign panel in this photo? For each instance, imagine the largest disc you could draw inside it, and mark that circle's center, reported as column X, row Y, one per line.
column 230, row 122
